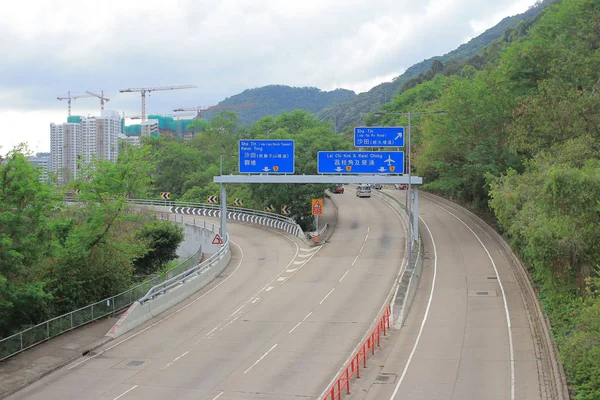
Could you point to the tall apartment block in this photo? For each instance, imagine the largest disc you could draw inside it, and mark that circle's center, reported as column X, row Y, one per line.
column 42, row 161
column 65, row 150
column 81, row 140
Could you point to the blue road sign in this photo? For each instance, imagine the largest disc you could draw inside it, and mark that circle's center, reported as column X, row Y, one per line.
column 360, row 162
column 379, row 136
column 271, row 156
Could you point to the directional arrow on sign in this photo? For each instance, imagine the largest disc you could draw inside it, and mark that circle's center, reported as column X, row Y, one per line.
column 212, row 199
column 286, row 209
column 165, row 195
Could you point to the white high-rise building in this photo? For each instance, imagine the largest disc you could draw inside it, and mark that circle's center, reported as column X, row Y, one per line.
column 42, row 161
column 100, row 136
column 65, row 150
column 76, row 143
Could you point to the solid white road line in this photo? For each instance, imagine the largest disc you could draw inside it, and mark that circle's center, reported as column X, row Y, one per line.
column 269, row 288
column 506, row 312
column 124, row 393
column 260, row 359
column 217, row 396
column 414, row 349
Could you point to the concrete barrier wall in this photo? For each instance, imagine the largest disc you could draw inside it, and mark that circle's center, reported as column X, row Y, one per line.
column 407, row 285
column 139, row 313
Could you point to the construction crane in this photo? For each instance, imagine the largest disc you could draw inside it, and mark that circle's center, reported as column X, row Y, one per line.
column 70, row 98
column 201, row 109
column 145, row 90
column 100, row 96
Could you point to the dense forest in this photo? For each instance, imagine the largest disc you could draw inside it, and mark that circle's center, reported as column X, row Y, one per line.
column 520, row 143
column 275, row 99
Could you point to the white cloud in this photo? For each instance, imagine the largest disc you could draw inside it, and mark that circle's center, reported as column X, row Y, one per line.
column 52, row 46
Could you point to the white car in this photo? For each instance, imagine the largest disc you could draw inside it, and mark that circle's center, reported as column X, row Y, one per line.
column 363, row 191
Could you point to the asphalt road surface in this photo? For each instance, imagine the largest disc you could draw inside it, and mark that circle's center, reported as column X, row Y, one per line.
column 278, row 323
column 467, row 336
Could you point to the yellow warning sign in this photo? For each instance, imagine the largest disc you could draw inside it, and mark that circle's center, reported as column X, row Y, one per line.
column 317, row 206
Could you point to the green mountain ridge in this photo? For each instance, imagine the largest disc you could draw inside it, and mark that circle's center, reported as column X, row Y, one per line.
column 344, row 107
column 275, row 99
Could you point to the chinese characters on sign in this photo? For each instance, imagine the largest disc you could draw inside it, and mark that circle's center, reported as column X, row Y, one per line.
column 360, row 162
column 379, row 136
column 271, row 156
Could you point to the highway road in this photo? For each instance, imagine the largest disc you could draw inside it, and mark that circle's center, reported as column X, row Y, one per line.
column 276, row 325
column 468, row 335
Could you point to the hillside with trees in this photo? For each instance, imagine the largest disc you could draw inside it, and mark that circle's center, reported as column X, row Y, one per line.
column 56, row 257
column 520, row 144
column 277, row 99
column 477, row 52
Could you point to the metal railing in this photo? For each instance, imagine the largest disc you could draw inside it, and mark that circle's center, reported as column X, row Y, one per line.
column 216, row 207
column 342, row 382
column 271, row 220
column 181, row 278
column 46, row 330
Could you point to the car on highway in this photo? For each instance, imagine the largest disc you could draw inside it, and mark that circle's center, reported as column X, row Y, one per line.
column 338, row 189
column 377, row 186
column 363, row 191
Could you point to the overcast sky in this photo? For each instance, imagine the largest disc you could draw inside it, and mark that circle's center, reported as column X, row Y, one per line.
column 49, row 47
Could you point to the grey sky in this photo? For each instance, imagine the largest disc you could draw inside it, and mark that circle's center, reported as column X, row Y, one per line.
column 223, row 47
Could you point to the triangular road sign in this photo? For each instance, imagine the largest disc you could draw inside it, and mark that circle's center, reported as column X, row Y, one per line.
column 217, row 239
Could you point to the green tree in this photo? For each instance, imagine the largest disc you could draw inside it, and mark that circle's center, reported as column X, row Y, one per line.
column 26, row 209
column 163, row 239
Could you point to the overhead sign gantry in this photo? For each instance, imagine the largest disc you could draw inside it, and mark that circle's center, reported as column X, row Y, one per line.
column 272, row 161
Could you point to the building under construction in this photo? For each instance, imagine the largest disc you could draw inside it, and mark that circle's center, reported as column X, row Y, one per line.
column 157, row 125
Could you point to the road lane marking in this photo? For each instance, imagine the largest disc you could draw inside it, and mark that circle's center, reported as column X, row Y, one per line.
column 304, row 255
column 414, row 349
column 168, row 316
column 343, row 276
column 298, row 324
column 299, row 262
column 506, row 312
column 175, row 360
column 281, row 278
column 291, row 270
column 124, row 393
column 260, row 359
column 255, row 300
column 217, row 396
column 269, row 288
column 326, row 296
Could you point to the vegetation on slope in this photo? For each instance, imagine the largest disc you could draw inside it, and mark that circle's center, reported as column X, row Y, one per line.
column 521, row 141
column 55, row 258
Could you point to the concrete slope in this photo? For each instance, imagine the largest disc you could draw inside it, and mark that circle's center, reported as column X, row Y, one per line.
column 468, row 334
column 277, row 325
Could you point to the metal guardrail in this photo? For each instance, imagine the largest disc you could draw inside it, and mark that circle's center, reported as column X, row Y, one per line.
column 46, row 330
column 258, row 217
column 180, row 279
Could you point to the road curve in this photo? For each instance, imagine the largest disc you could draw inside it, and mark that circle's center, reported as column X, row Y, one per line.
column 468, row 334
column 276, row 325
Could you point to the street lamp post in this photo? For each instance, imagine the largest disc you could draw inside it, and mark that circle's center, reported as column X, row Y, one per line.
column 409, row 193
